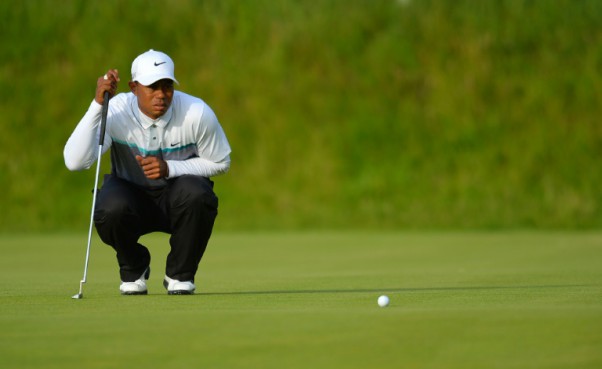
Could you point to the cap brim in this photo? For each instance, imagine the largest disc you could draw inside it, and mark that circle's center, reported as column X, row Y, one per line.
column 150, row 79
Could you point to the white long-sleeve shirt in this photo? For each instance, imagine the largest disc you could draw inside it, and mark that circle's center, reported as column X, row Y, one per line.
column 188, row 137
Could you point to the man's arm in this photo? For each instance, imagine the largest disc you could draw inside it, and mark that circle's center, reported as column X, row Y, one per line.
column 81, row 149
column 198, row 166
column 213, row 150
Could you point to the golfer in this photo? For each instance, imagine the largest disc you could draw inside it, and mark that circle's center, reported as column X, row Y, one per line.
column 165, row 147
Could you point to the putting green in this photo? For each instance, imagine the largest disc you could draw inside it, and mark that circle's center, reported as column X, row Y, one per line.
column 308, row 300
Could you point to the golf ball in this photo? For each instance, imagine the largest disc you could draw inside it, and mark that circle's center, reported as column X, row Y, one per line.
column 383, row 301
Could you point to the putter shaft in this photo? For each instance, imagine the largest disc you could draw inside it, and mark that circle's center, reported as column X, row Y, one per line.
column 103, row 122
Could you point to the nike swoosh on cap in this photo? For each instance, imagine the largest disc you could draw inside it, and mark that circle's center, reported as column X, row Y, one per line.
column 157, row 64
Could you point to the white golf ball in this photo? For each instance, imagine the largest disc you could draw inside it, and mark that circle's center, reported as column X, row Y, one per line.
column 383, row 301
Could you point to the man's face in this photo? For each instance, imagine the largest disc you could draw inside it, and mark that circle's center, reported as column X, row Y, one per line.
column 155, row 99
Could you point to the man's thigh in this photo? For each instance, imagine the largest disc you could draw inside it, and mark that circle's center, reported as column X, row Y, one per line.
column 191, row 190
column 122, row 200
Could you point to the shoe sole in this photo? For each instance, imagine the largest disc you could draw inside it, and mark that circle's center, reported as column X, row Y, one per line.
column 181, row 292
column 132, row 293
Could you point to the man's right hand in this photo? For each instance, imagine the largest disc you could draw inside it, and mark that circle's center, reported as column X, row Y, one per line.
column 108, row 82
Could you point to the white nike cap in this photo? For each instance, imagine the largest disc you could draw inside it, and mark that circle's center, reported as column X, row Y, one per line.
column 151, row 66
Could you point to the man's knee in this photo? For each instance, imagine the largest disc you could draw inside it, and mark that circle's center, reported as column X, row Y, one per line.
column 193, row 191
column 111, row 206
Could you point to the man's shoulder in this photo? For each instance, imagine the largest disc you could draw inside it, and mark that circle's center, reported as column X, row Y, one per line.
column 122, row 100
column 189, row 103
column 192, row 110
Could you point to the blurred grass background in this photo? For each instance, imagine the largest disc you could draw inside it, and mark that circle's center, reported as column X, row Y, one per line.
column 381, row 114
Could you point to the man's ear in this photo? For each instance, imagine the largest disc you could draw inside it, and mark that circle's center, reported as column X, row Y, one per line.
column 133, row 86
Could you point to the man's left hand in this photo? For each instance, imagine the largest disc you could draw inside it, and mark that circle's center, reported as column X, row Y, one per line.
column 153, row 167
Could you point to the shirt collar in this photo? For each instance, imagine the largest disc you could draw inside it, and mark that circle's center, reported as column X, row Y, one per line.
column 148, row 122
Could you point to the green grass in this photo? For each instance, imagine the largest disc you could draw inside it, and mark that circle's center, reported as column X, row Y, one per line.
column 308, row 300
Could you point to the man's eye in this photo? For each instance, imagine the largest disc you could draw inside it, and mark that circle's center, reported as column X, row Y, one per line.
column 161, row 85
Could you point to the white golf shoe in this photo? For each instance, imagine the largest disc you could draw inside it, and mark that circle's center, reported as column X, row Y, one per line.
column 138, row 287
column 175, row 287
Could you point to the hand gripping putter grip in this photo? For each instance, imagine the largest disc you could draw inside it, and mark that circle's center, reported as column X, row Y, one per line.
column 103, row 125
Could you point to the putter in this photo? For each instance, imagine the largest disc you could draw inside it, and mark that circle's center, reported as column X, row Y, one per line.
column 103, row 124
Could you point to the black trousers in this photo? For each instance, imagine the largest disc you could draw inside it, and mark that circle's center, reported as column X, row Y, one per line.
column 186, row 208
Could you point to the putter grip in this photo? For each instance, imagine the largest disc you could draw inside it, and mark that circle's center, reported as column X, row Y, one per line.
column 103, row 118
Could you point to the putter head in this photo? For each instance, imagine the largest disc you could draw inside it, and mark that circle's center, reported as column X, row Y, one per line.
column 80, row 295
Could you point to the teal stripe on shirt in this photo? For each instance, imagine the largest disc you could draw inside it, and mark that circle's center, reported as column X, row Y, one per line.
column 145, row 152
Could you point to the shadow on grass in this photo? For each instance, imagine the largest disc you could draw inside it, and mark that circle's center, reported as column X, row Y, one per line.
column 394, row 289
